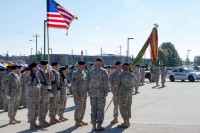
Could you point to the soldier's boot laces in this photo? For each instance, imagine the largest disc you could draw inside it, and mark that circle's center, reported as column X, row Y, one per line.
column 94, row 128
column 52, row 121
column 11, row 121
column 78, row 123
column 114, row 121
column 16, row 120
column 57, row 121
column 61, row 118
column 100, row 128
column 84, row 123
column 32, row 126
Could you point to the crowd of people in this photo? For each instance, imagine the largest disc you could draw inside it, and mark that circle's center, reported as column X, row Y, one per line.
column 43, row 89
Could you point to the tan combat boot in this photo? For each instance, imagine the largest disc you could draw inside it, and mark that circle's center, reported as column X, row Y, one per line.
column 78, row 123
column 94, row 128
column 61, row 118
column 84, row 123
column 114, row 121
column 56, row 120
column 100, row 128
column 16, row 120
column 52, row 121
column 36, row 125
column 65, row 118
column 126, row 124
column 32, row 126
column 11, row 121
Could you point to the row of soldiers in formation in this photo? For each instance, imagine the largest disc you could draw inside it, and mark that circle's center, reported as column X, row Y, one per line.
column 43, row 89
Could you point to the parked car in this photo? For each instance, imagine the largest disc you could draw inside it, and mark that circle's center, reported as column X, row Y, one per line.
column 183, row 74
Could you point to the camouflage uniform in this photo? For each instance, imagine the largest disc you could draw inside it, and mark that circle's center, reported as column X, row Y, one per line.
column 53, row 102
column 63, row 95
column 98, row 86
column 3, row 83
column 12, row 89
column 79, row 90
column 152, row 74
column 113, row 77
column 125, row 83
column 163, row 75
column 21, row 86
column 33, row 98
column 142, row 75
column 44, row 100
column 1, row 92
column 23, row 89
column 137, row 75
column 157, row 75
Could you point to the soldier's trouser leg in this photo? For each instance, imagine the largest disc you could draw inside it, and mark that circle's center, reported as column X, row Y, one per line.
column 1, row 100
column 84, row 107
column 24, row 99
column 116, row 105
column 33, row 108
column 61, row 105
column 12, row 106
column 97, row 109
column 5, row 102
column 53, row 105
column 80, row 105
column 125, row 106
column 43, row 108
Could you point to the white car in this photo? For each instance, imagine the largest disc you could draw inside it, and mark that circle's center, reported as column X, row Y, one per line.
column 184, row 74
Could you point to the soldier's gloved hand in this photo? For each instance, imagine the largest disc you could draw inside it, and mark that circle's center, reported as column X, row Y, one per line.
column 58, row 92
column 50, row 94
column 49, row 69
column 69, row 84
column 38, row 86
column 8, row 97
column 49, row 88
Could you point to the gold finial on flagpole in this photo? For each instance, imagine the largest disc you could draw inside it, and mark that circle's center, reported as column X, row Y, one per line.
column 156, row 25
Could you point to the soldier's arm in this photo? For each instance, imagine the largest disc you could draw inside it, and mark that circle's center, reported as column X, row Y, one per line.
column 87, row 82
column 8, row 84
column 117, row 83
column 41, row 80
column 105, row 82
column 29, row 83
column 74, row 84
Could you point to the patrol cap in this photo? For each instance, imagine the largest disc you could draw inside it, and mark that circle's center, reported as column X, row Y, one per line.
column 54, row 63
column 14, row 67
column 26, row 69
column 99, row 59
column 32, row 65
column 126, row 64
column 118, row 63
column 62, row 68
column 2, row 68
column 43, row 62
column 81, row 63
column 91, row 64
column 19, row 66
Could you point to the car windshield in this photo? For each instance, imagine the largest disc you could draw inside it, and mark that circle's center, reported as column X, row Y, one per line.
column 191, row 70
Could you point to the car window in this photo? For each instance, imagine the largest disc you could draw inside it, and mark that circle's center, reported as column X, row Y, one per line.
column 181, row 70
column 176, row 70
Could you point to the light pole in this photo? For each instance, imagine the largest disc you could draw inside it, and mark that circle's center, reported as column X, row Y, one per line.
column 31, row 50
column 45, row 21
column 128, row 48
column 36, row 36
column 86, row 55
column 188, row 57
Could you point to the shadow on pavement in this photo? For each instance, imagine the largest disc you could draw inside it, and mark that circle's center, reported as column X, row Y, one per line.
column 4, row 125
column 33, row 131
column 69, row 130
column 69, row 109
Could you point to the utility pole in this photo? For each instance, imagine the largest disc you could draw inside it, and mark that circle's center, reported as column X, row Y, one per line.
column 128, row 48
column 120, row 50
column 45, row 21
column 36, row 36
column 101, row 51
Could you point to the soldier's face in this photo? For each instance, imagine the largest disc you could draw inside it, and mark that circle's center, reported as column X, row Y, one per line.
column 99, row 63
column 119, row 67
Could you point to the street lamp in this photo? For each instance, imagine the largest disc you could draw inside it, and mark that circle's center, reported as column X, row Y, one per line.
column 128, row 48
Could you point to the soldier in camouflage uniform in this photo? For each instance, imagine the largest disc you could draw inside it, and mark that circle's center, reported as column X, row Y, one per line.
column 98, row 86
column 113, row 76
column 3, row 82
column 80, row 94
column 157, row 75
column 53, row 103
column 2, row 73
column 137, row 75
column 64, row 83
column 142, row 75
column 33, row 96
column 163, row 75
column 45, row 76
column 124, row 84
column 19, row 72
column 23, row 89
column 12, row 91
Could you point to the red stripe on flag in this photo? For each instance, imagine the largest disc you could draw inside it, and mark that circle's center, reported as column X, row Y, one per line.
column 57, row 26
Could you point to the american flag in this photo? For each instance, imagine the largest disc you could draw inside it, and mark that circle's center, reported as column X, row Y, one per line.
column 58, row 16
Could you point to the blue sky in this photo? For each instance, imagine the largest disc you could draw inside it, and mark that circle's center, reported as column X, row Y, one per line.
column 102, row 23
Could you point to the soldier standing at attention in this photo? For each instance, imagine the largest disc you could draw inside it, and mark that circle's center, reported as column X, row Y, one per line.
column 33, row 96
column 12, row 91
column 80, row 94
column 118, row 70
column 63, row 93
column 98, row 87
column 53, row 103
column 142, row 75
column 2, row 73
column 125, row 84
column 157, row 75
column 163, row 75
column 43, row 76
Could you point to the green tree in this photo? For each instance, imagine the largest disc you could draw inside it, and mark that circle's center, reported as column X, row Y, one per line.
column 197, row 60
column 173, row 58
